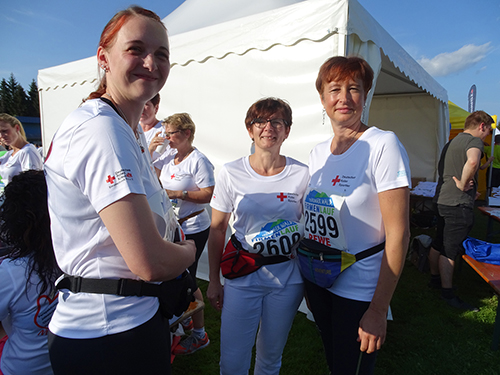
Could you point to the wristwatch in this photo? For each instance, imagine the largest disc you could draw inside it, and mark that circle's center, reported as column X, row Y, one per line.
column 184, row 194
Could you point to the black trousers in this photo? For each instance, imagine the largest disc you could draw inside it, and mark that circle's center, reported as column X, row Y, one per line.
column 338, row 321
column 200, row 239
column 142, row 350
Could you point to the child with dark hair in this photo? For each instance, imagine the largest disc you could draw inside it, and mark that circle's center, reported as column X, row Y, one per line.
column 27, row 275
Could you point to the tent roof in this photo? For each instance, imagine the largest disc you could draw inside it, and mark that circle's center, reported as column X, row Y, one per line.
column 319, row 20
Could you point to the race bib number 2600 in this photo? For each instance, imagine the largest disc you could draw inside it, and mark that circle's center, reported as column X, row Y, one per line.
column 276, row 238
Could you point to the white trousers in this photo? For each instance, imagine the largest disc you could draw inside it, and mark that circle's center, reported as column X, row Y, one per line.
column 243, row 309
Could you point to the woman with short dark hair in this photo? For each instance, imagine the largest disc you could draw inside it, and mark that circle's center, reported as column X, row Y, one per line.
column 264, row 193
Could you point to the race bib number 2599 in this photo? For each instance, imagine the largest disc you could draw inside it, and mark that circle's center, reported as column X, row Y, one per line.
column 322, row 219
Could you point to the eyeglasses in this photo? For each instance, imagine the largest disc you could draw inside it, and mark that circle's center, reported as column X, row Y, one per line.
column 169, row 134
column 276, row 123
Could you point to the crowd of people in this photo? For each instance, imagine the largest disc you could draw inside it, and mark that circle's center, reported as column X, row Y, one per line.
column 100, row 242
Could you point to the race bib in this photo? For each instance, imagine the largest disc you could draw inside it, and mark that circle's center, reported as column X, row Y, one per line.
column 276, row 238
column 322, row 216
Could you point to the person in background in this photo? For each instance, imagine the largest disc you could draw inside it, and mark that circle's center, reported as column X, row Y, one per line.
column 151, row 126
column 27, row 275
column 22, row 155
column 111, row 221
column 364, row 172
column 188, row 178
column 495, row 173
column 456, row 192
column 264, row 192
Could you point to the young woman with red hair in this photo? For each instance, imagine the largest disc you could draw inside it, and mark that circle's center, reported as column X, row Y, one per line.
column 110, row 218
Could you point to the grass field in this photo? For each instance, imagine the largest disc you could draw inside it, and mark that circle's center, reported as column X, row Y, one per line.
column 426, row 336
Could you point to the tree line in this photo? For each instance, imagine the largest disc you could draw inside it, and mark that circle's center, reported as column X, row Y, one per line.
column 15, row 101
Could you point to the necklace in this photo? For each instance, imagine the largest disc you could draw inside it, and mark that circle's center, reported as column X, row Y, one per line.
column 179, row 159
column 118, row 109
column 346, row 147
column 122, row 115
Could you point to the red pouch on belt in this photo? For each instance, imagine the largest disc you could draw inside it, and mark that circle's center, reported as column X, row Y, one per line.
column 237, row 262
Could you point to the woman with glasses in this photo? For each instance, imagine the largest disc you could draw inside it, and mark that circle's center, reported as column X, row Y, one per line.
column 263, row 192
column 188, row 177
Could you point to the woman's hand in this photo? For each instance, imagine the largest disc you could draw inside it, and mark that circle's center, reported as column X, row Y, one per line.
column 155, row 142
column 215, row 294
column 200, row 196
column 372, row 330
column 215, row 245
column 174, row 194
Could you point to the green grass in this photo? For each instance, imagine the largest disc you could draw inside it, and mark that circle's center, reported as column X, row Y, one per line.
column 426, row 336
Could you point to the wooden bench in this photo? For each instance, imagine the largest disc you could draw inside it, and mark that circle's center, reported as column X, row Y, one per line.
column 491, row 274
column 193, row 308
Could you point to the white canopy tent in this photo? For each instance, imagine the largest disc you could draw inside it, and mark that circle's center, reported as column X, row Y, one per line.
column 218, row 71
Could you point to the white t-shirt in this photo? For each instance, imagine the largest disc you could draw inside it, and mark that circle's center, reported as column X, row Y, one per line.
column 94, row 161
column 341, row 206
column 193, row 173
column 25, row 317
column 267, row 213
column 25, row 159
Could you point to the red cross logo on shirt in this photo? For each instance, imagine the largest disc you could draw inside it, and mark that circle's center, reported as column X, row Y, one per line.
column 172, row 177
column 111, row 179
column 335, row 180
column 282, row 196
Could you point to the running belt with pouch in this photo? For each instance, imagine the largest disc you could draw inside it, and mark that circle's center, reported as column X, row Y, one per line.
column 237, row 262
column 174, row 295
column 322, row 265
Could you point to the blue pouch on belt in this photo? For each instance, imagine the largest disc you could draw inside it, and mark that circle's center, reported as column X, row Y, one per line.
column 322, row 265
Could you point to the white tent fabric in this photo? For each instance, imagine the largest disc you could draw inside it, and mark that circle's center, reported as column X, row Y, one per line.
column 220, row 69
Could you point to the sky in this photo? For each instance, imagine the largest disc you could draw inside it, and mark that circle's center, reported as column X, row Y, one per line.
column 456, row 41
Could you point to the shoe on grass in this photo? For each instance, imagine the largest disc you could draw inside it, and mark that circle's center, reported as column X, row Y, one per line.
column 191, row 344
column 459, row 304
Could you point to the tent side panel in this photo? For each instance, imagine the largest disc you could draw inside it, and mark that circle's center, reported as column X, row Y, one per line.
column 414, row 119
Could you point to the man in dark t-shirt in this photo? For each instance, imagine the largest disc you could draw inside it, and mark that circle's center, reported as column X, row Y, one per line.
column 455, row 195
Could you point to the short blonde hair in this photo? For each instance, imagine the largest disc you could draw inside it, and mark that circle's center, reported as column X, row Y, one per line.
column 181, row 121
column 12, row 121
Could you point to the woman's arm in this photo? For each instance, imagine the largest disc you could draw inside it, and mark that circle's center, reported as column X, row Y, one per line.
column 216, row 242
column 199, row 196
column 394, row 206
column 131, row 226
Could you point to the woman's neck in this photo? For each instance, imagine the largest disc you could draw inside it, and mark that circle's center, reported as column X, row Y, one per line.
column 19, row 144
column 267, row 163
column 129, row 111
column 183, row 152
column 345, row 137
